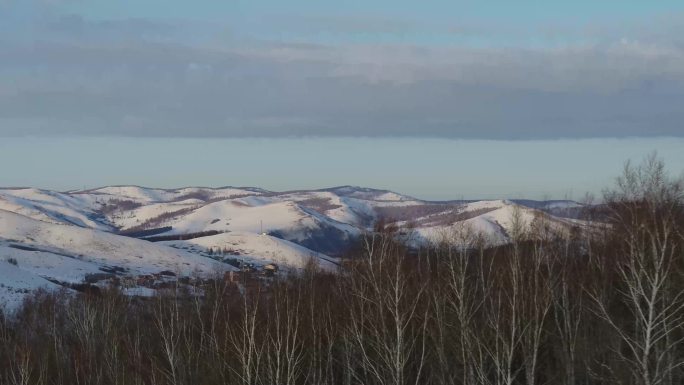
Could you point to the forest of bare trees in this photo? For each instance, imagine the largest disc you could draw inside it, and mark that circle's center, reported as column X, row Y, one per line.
column 595, row 304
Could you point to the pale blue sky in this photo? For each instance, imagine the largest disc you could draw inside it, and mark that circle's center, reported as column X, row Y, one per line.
column 420, row 77
column 437, row 169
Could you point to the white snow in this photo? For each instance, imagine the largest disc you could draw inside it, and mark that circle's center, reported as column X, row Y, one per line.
column 16, row 283
column 237, row 215
column 100, row 247
column 49, row 265
column 65, row 236
column 150, row 195
column 259, row 248
column 151, row 211
column 50, row 207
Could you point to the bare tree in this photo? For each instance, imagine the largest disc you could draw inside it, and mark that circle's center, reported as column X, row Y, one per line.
column 244, row 339
column 457, row 306
column 171, row 326
column 284, row 350
column 503, row 310
column 645, row 211
column 537, row 288
column 568, row 307
column 387, row 324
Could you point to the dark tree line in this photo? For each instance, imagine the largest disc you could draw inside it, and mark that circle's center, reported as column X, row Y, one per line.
column 599, row 304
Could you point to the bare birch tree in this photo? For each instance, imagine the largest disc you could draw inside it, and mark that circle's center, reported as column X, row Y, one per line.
column 645, row 210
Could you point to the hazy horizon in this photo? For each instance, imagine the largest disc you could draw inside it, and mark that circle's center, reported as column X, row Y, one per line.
column 431, row 169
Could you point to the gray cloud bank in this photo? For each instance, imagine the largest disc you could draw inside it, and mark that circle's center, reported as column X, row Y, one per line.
column 139, row 78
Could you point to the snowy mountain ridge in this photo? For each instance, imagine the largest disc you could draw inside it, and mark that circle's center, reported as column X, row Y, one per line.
column 116, row 233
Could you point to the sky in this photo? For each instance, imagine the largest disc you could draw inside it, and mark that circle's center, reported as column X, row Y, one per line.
column 273, row 77
column 425, row 168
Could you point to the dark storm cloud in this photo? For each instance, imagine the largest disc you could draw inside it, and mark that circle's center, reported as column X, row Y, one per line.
column 139, row 78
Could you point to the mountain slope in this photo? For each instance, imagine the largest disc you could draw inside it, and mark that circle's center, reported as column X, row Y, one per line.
column 68, row 236
column 257, row 248
column 16, row 283
column 97, row 247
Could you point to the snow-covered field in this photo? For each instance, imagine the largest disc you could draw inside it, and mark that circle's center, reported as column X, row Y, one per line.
column 66, row 236
column 15, row 283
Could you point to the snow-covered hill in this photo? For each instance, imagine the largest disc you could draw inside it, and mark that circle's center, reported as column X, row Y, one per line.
column 67, row 236
column 256, row 248
column 97, row 247
column 39, row 253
